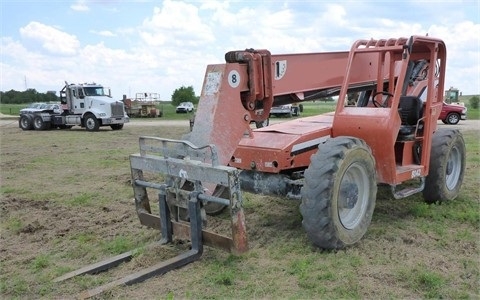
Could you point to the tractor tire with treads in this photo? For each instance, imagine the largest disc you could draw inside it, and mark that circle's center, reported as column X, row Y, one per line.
column 447, row 166
column 338, row 197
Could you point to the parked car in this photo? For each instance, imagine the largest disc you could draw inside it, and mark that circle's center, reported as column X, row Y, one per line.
column 39, row 107
column 32, row 107
column 184, row 107
column 452, row 113
column 287, row 110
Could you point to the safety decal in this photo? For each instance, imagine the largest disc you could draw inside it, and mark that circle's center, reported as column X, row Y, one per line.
column 212, row 83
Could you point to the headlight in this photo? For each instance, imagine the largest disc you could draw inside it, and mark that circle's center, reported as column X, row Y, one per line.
column 102, row 114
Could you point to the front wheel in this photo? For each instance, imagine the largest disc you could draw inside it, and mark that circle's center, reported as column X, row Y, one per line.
column 338, row 197
column 91, row 123
column 453, row 118
column 447, row 166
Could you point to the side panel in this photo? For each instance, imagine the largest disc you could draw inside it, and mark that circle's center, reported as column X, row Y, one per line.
column 221, row 118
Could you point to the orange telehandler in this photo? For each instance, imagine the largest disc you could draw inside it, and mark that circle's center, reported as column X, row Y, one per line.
column 385, row 134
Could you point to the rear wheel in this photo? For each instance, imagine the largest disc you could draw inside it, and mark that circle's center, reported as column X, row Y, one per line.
column 25, row 122
column 261, row 124
column 338, row 197
column 39, row 124
column 91, row 123
column 447, row 166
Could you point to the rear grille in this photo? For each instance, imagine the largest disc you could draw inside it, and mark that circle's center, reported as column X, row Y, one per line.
column 117, row 109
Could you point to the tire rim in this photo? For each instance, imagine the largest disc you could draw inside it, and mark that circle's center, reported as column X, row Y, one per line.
column 454, row 168
column 353, row 196
column 38, row 123
column 453, row 118
column 90, row 123
column 24, row 122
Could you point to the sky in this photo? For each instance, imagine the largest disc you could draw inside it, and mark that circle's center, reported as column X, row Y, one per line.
column 142, row 46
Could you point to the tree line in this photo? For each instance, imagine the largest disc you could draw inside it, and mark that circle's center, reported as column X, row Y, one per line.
column 28, row 96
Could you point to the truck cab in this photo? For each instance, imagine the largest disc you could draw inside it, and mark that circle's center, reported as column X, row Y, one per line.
column 90, row 105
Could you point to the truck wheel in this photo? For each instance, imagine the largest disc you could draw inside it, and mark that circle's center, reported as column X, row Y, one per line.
column 338, row 197
column 447, row 166
column 25, row 122
column 453, row 118
column 261, row 124
column 39, row 124
column 91, row 123
column 116, row 126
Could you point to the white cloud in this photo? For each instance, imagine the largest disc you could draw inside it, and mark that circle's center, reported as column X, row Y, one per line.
column 106, row 33
column 80, row 5
column 51, row 39
column 175, row 24
column 173, row 44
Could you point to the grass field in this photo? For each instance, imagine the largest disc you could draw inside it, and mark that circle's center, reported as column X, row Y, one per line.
column 66, row 201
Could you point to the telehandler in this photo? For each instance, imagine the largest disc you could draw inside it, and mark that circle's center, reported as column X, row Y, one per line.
column 386, row 133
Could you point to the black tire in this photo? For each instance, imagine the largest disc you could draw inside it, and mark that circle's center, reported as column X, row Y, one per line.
column 25, row 122
column 116, row 126
column 338, row 197
column 296, row 111
column 453, row 118
column 39, row 124
column 91, row 123
column 213, row 208
column 261, row 124
column 447, row 166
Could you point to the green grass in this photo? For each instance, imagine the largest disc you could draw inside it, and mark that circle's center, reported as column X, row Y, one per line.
column 67, row 202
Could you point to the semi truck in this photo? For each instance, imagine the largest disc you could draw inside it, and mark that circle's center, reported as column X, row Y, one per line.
column 88, row 105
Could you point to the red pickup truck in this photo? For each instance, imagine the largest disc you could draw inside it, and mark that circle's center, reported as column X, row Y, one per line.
column 452, row 113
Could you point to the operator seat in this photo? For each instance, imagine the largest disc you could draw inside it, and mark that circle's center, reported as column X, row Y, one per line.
column 410, row 109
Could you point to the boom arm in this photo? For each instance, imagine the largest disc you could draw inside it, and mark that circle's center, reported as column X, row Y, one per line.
column 252, row 81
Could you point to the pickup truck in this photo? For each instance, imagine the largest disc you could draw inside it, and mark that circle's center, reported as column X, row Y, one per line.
column 452, row 113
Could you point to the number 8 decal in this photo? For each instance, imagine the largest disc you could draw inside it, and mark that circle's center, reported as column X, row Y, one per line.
column 234, row 78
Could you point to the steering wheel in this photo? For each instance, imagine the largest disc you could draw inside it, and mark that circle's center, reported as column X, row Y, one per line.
column 385, row 103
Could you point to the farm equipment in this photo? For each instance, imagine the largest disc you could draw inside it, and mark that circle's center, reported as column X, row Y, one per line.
column 144, row 105
column 85, row 105
column 332, row 163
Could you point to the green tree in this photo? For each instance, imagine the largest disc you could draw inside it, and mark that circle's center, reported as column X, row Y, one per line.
column 28, row 96
column 184, row 94
column 474, row 102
